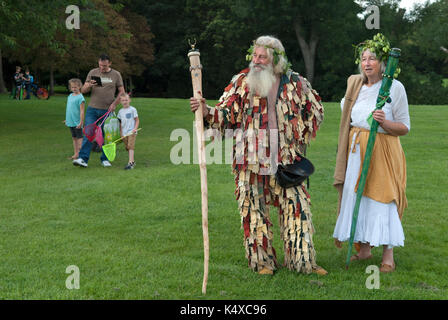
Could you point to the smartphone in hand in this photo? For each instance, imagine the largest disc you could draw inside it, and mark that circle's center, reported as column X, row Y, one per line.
column 97, row 79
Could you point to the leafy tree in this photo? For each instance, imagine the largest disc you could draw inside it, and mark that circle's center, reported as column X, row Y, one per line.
column 427, row 62
column 223, row 39
column 148, row 40
column 25, row 25
column 140, row 54
column 51, row 59
column 429, row 34
column 419, row 35
column 168, row 76
column 36, row 32
column 105, row 27
column 308, row 23
column 103, row 30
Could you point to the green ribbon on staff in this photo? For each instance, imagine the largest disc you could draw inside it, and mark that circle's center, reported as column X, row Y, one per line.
column 383, row 97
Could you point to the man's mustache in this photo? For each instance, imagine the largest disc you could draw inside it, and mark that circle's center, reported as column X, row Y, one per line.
column 258, row 65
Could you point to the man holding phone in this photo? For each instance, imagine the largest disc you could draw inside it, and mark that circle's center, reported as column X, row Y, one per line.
column 102, row 99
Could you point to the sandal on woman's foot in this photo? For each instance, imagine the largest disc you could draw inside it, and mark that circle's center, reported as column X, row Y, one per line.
column 385, row 268
column 357, row 257
column 337, row 243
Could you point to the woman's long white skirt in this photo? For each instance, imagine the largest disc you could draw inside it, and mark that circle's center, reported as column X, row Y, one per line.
column 378, row 223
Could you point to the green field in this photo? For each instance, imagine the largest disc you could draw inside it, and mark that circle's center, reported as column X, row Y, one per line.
column 137, row 234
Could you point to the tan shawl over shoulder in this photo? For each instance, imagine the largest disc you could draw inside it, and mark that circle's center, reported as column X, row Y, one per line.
column 354, row 84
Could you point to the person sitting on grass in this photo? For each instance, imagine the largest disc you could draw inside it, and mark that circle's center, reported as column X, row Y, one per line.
column 74, row 116
column 129, row 120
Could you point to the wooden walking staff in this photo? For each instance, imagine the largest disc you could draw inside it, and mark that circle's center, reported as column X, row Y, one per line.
column 196, row 80
column 383, row 97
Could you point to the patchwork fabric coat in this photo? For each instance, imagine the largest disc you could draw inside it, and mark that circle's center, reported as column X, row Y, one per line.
column 299, row 113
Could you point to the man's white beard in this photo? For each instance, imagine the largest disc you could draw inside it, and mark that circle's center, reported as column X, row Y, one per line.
column 260, row 81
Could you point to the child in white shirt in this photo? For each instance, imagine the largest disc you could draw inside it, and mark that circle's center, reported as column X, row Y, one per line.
column 129, row 120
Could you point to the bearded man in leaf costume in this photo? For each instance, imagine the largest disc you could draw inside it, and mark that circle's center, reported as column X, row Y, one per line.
column 273, row 113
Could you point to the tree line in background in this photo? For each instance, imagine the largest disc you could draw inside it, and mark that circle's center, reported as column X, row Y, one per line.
column 36, row 36
column 148, row 41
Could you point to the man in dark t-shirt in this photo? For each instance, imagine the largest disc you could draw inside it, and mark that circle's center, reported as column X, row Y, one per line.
column 102, row 99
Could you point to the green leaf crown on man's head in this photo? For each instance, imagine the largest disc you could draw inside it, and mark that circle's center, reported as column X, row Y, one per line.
column 276, row 55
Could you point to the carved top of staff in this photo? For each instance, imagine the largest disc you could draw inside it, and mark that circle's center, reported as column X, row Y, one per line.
column 192, row 45
column 194, row 54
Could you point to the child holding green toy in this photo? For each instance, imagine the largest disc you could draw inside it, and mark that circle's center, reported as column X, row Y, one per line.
column 129, row 120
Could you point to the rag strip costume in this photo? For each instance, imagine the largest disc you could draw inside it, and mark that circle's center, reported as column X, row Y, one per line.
column 294, row 109
column 384, row 198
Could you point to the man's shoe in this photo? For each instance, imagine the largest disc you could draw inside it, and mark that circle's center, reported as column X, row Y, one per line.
column 106, row 163
column 130, row 166
column 80, row 162
column 320, row 271
column 266, row 271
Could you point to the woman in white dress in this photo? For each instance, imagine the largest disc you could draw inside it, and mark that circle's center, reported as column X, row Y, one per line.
column 384, row 199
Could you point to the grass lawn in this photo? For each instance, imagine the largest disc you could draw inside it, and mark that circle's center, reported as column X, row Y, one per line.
column 137, row 234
